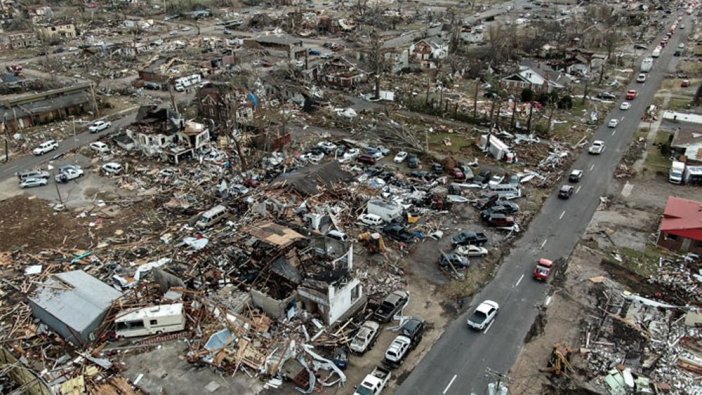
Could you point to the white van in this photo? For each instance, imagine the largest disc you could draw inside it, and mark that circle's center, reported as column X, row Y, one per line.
column 211, row 216
column 335, row 234
column 506, row 191
column 150, row 320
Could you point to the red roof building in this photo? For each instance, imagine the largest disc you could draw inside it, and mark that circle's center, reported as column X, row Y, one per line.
column 681, row 226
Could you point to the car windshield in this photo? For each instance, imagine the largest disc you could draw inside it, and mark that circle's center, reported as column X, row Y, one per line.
column 478, row 317
column 362, row 390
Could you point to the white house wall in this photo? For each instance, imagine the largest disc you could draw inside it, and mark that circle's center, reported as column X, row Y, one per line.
column 341, row 300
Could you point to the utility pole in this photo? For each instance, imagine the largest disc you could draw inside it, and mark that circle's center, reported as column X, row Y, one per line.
column 3, row 130
column 498, row 382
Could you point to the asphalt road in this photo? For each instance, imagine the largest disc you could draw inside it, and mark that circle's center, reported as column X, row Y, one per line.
column 463, row 361
column 82, row 137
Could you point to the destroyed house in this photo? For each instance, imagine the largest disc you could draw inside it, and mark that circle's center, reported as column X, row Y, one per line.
column 329, row 289
column 283, row 45
column 73, row 304
column 33, row 109
column 341, row 73
column 681, row 226
column 332, row 294
column 311, row 180
column 215, row 104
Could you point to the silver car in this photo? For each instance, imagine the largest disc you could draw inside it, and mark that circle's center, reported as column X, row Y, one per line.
column 33, row 182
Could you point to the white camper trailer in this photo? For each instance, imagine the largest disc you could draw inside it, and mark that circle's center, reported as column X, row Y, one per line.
column 150, row 320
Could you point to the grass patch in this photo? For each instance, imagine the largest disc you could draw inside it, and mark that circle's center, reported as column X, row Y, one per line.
column 643, row 263
column 679, row 104
column 655, row 161
column 458, row 142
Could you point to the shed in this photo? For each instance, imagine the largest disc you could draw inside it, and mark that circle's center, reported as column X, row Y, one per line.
column 73, row 304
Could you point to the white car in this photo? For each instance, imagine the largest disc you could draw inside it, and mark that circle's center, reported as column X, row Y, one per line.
column 312, row 157
column 32, row 182
column 326, row 146
column 365, row 337
column 483, row 315
column 496, row 180
column 383, row 150
column 370, row 219
column 625, row 105
column 613, row 123
column 69, row 173
column 99, row 147
column 350, row 155
column 99, row 126
column 185, row 28
column 596, row 148
column 239, row 189
column 112, row 168
column 641, row 77
column 45, row 147
column 398, row 349
column 471, row 251
column 400, row 157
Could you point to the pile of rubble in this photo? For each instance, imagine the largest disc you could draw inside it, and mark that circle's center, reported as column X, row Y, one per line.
column 636, row 343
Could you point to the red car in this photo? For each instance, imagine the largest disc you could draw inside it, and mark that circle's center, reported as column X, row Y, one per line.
column 543, row 269
column 252, row 182
column 366, row 158
column 631, row 94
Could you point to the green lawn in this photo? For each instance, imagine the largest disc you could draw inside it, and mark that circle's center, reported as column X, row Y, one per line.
column 679, row 103
column 655, row 161
column 643, row 263
column 458, row 142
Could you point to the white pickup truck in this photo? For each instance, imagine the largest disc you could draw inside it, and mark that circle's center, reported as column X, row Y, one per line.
column 374, row 383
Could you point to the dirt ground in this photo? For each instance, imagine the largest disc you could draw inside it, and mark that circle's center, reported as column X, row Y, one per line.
column 31, row 224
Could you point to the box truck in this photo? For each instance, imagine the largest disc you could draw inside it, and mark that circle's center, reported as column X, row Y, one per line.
column 646, row 65
column 677, row 170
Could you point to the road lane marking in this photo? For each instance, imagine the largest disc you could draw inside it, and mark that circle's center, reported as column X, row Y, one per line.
column 449, row 384
column 488, row 328
column 562, row 214
column 519, row 281
column 578, row 189
column 543, row 243
column 614, row 132
column 592, row 166
column 621, row 119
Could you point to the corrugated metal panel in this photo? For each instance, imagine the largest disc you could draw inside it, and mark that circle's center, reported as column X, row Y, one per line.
column 75, row 299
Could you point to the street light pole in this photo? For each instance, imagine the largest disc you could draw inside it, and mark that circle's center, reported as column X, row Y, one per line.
column 73, row 122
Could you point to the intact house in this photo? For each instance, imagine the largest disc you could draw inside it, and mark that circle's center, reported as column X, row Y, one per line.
column 686, row 144
column 681, row 227
column 528, row 77
column 428, row 52
column 339, row 72
column 73, row 304
column 24, row 111
column 574, row 61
